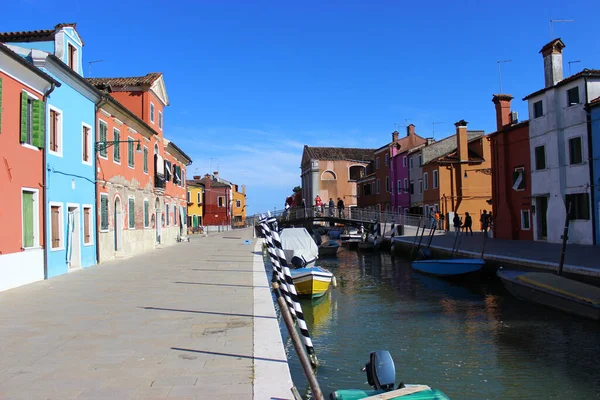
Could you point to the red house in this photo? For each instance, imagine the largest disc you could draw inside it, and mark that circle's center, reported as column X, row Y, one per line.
column 217, row 201
column 511, row 169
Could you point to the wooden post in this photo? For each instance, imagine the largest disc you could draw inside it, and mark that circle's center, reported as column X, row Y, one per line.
column 304, row 361
column 565, row 237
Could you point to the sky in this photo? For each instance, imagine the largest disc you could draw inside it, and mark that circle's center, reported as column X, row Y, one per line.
column 251, row 82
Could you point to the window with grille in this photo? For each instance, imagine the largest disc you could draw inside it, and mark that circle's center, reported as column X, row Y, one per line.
column 103, row 212
column 131, row 212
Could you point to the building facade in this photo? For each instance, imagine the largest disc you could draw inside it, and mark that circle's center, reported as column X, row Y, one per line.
column 332, row 172
column 594, row 125
column 239, row 206
column 559, row 150
column 511, row 172
column 195, row 203
column 217, row 203
column 399, row 175
column 23, row 94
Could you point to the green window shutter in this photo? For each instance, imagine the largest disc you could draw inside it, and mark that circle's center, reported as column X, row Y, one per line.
column 117, row 146
column 130, row 153
column 131, row 213
column 39, row 108
column 103, row 212
column 146, row 214
column 145, row 159
column 28, row 233
column 24, row 116
column 0, row 105
column 103, row 138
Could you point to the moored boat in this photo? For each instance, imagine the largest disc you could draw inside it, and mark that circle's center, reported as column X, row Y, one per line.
column 449, row 267
column 366, row 245
column 299, row 247
column 553, row 291
column 329, row 249
column 351, row 237
column 311, row 282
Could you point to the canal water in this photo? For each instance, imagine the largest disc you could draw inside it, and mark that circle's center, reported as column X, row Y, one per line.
column 470, row 339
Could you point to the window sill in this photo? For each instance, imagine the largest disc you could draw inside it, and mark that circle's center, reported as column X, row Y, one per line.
column 88, row 244
column 88, row 163
column 131, row 166
column 104, row 230
column 28, row 146
column 57, row 248
column 55, row 153
column 102, row 157
column 32, row 248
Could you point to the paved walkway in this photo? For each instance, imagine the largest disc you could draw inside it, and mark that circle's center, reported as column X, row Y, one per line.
column 579, row 259
column 190, row 321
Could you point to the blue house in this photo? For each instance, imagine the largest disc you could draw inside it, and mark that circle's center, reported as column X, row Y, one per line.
column 594, row 119
column 70, row 158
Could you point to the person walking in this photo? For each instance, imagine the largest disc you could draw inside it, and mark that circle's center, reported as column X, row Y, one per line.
column 468, row 224
column 457, row 223
column 340, row 205
column 318, row 204
column 331, row 207
column 485, row 222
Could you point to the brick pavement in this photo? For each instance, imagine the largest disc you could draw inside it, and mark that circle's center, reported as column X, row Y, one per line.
column 176, row 322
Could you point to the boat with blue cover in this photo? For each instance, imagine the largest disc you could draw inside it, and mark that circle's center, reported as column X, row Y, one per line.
column 329, row 249
column 449, row 267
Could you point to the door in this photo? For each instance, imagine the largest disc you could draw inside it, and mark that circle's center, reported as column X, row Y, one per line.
column 158, row 219
column 118, row 224
column 74, row 237
column 541, row 203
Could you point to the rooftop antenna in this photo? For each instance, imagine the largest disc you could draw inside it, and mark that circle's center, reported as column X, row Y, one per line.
column 572, row 62
column 500, row 74
column 90, row 66
column 433, row 124
column 552, row 21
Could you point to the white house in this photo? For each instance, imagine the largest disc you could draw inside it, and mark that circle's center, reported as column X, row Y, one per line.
column 559, row 149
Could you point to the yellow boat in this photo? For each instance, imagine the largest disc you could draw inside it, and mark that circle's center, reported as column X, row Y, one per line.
column 311, row 282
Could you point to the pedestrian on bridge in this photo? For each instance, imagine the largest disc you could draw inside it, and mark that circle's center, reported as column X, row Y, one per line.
column 340, row 205
column 331, row 207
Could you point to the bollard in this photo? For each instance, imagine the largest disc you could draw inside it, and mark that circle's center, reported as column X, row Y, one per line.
column 334, row 281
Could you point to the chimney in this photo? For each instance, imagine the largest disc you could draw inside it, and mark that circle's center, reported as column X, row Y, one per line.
column 553, row 64
column 502, row 102
column 394, row 136
column 410, row 130
column 461, row 140
column 197, row 177
column 429, row 141
column 216, row 173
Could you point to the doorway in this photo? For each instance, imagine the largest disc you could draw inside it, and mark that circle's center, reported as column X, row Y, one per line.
column 118, row 224
column 74, row 237
column 541, row 212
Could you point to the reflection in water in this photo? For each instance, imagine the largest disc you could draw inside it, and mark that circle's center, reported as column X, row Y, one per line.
column 470, row 339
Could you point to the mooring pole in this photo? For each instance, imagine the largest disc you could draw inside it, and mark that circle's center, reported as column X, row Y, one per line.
column 565, row 237
column 304, row 361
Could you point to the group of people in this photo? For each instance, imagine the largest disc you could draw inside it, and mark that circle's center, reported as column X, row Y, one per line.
column 320, row 207
column 486, row 220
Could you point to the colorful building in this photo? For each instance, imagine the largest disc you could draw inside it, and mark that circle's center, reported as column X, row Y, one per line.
column 142, row 193
column 23, row 95
column 217, row 203
column 399, row 174
column 239, row 206
column 332, row 172
column 195, row 203
column 559, row 150
column 70, row 164
column 511, row 172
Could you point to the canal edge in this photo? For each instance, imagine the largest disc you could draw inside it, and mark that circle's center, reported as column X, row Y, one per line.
column 272, row 377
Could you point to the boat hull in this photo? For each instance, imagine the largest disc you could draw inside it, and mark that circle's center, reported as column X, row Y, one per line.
column 548, row 296
column 311, row 282
column 356, row 394
column 366, row 246
column 328, row 251
column 450, row 267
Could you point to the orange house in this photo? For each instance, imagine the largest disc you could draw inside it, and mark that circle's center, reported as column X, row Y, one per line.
column 23, row 90
column 141, row 174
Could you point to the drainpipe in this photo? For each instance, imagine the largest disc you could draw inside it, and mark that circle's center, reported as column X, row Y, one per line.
column 588, row 115
column 44, row 181
column 102, row 102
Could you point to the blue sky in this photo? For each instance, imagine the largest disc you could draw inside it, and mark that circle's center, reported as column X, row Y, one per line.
column 252, row 82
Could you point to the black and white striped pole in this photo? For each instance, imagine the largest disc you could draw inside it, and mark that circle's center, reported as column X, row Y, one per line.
column 293, row 294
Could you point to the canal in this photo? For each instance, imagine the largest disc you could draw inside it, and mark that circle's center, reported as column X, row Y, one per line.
column 470, row 339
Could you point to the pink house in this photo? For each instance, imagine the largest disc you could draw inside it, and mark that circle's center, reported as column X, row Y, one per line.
column 400, row 182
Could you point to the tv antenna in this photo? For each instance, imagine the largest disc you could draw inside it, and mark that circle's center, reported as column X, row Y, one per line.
column 553, row 21
column 433, row 124
column 500, row 74
column 90, row 66
column 573, row 62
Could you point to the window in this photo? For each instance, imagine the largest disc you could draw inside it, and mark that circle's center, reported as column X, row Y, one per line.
column 377, row 163
column 420, row 185
column 86, row 144
column 387, row 183
column 30, row 218
column 199, row 198
column 538, row 109
column 221, row 200
column 411, row 163
column 72, row 57
column 32, row 121
column 420, row 160
column 525, row 220
column 103, row 212
column 540, row 157
column 580, row 205
column 130, row 152
column 519, row 179
column 56, row 229
column 405, row 185
column 575, row 153
column 367, row 189
column 117, row 146
column 573, row 96
column 399, row 186
column 189, row 196
column 145, row 160
column 167, row 170
column 147, row 213
column 378, row 186
column 238, row 203
column 167, row 212
column 152, row 112
column 160, row 120
column 387, row 159
column 174, row 215
column 435, row 179
column 425, row 181
column 412, row 187
column 131, row 212
column 103, row 137
column 87, row 225
column 55, row 132
column 404, row 161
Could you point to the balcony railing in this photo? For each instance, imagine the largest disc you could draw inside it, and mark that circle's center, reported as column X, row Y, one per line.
column 159, row 183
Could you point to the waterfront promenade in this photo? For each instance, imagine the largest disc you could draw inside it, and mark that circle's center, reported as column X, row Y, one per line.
column 189, row 321
column 579, row 259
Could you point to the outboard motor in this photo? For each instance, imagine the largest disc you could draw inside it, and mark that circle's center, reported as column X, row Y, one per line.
column 298, row 262
column 381, row 372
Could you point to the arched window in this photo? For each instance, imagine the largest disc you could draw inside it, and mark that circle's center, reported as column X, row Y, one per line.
column 328, row 176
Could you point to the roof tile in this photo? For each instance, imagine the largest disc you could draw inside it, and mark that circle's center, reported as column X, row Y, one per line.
column 145, row 80
column 339, row 153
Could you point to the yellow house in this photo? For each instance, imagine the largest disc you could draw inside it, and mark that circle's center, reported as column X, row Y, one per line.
column 239, row 206
column 195, row 201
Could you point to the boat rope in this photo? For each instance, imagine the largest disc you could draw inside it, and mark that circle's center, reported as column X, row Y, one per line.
column 272, row 225
column 277, row 269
